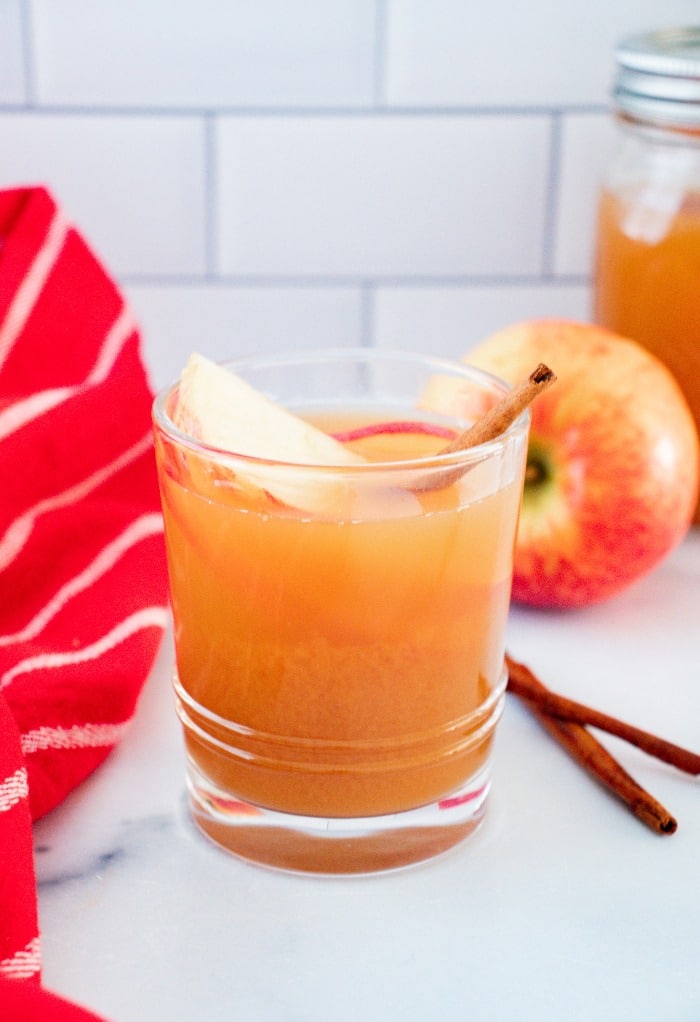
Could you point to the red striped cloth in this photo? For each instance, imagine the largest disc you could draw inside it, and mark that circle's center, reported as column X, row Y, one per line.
column 83, row 595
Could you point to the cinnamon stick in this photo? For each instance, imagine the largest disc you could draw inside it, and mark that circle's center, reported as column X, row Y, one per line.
column 595, row 759
column 523, row 683
column 502, row 415
column 586, row 750
column 491, row 425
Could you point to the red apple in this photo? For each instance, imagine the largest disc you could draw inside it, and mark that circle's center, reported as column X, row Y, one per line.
column 612, row 469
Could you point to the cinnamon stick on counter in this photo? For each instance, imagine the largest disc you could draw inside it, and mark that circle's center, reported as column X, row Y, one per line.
column 523, row 683
column 589, row 753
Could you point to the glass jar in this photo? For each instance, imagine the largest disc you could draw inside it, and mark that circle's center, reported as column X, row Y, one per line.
column 647, row 257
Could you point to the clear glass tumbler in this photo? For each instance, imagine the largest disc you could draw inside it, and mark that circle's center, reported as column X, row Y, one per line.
column 340, row 630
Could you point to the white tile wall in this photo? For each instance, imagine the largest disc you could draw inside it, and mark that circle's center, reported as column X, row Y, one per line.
column 513, row 54
column 222, row 321
column 271, row 173
column 12, row 81
column 388, row 196
column 134, row 184
column 452, row 320
column 586, row 143
column 205, row 54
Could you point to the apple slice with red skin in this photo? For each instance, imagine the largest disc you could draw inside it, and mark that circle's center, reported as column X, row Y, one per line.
column 410, row 426
column 276, row 451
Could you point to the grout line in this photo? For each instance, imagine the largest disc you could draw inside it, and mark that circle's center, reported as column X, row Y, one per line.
column 551, row 201
column 367, row 285
column 319, row 112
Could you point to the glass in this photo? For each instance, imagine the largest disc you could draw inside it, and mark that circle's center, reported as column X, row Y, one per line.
column 647, row 256
column 340, row 672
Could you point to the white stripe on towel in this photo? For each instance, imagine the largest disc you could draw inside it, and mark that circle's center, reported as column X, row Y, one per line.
column 13, row 789
column 142, row 528
column 32, row 284
column 20, row 529
column 79, row 736
column 147, row 617
column 23, row 964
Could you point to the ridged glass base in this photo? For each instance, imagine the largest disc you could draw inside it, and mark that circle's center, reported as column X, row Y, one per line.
column 309, row 844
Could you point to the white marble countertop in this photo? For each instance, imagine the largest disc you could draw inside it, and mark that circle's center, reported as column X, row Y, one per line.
column 562, row 906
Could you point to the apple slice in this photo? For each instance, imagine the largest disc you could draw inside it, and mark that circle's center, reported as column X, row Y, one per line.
column 224, row 411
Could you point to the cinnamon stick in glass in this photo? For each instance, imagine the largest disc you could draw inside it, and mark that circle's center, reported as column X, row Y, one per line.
column 491, row 425
column 502, row 415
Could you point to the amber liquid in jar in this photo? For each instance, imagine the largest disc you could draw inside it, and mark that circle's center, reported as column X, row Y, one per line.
column 647, row 277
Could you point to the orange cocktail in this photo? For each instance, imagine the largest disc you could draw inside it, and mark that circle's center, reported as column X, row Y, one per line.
column 647, row 280
column 340, row 671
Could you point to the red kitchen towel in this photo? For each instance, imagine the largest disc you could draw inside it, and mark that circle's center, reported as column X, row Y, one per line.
column 83, row 592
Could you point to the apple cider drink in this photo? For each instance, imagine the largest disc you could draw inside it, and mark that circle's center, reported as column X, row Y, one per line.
column 339, row 603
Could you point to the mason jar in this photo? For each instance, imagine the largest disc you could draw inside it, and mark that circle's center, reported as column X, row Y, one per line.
column 647, row 254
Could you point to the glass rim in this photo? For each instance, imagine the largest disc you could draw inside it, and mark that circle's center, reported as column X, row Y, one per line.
column 456, row 369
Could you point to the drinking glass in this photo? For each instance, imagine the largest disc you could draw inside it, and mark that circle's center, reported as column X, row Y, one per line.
column 340, row 629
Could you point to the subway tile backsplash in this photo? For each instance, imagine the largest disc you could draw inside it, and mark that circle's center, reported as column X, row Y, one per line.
column 223, row 321
column 586, row 142
column 452, row 320
column 279, row 174
column 135, row 185
column 387, row 196
column 12, row 77
column 210, row 53
column 512, row 54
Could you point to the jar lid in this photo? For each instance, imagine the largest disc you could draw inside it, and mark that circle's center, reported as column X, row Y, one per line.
column 658, row 77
